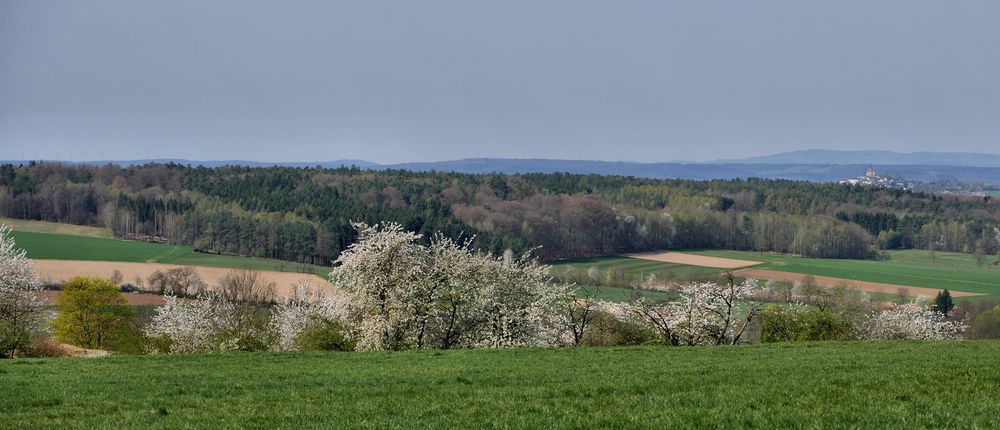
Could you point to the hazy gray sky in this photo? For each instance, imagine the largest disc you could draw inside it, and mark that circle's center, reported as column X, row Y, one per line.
column 431, row 80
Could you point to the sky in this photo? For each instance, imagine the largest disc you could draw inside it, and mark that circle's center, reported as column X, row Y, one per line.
column 428, row 80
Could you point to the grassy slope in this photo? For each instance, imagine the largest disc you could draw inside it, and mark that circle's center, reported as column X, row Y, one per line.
column 915, row 268
column 828, row 385
column 54, row 228
column 70, row 247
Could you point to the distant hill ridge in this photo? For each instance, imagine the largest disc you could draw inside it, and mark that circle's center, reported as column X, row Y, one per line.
column 827, row 156
column 212, row 163
column 808, row 165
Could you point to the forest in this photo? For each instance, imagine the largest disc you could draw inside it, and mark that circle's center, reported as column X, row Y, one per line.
column 305, row 214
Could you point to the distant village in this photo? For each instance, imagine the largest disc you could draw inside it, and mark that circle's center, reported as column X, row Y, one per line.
column 977, row 189
column 873, row 179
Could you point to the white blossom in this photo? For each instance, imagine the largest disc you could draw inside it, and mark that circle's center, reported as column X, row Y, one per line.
column 444, row 295
column 196, row 326
column 910, row 322
column 22, row 310
column 703, row 314
column 290, row 317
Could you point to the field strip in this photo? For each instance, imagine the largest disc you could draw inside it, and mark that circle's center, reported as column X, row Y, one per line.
column 163, row 254
column 911, row 275
column 60, row 270
column 826, row 281
column 694, row 260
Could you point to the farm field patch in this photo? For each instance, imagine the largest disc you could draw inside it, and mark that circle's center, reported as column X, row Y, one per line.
column 824, row 281
column 60, row 270
column 797, row 385
column 54, row 228
column 72, row 247
column 634, row 269
column 134, row 299
column 908, row 268
column 694, row 259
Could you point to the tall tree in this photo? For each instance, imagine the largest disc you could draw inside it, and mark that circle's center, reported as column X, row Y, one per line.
column 943, row 303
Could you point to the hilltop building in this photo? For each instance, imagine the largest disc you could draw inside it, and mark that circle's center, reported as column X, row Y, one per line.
column 873, row 179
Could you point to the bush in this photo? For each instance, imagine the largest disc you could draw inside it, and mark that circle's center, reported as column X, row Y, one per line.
column 44, row 346
column 910, row 322
column 324, row 334
column 179, row 281
column 606, row 330
column 986, row 325
column 92, row 313
column 251, row 331
column 783, row 324
column 193, row 326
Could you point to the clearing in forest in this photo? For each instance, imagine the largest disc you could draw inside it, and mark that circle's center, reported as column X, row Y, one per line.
column 694, row 260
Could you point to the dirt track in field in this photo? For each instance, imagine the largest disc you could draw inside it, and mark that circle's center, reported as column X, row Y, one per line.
column 694, row 260
column 60, row 270
column 826, row 281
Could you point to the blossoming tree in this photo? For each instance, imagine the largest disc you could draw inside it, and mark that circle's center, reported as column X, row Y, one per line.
column 443, row 295
column 22, row 311
column 703, row 314
column 911, row 322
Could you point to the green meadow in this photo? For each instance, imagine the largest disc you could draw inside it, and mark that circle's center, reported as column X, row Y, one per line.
column 74, row 247
column 634, row 269
column 916, row 268
column 797, row 385
column 54, row 228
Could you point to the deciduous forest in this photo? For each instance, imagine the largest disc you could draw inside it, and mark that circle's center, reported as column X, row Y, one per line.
column 304, row 214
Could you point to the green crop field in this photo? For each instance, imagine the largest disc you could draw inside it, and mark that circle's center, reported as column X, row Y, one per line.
column 74, row 247
column 635, row 269
column 916, row 268
column 617, row 294
column 798, row 385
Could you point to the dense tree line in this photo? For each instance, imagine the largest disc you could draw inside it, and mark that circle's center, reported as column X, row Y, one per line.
column 304, row 214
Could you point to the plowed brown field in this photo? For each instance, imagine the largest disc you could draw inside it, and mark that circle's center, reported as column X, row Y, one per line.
column 694, row 260
column 61, row 270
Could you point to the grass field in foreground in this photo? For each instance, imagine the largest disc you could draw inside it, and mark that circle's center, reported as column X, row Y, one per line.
column 915, row 268
column 73, row 247
column 815, row 385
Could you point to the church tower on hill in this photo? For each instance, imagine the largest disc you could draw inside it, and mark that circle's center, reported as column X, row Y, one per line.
column 870, row 173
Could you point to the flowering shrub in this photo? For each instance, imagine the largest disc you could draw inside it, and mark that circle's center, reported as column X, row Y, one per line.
column 911, row 322
column 406, row 295
column 704, row 314
column 22, row 311
column 305, row 308
column 195, row 326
